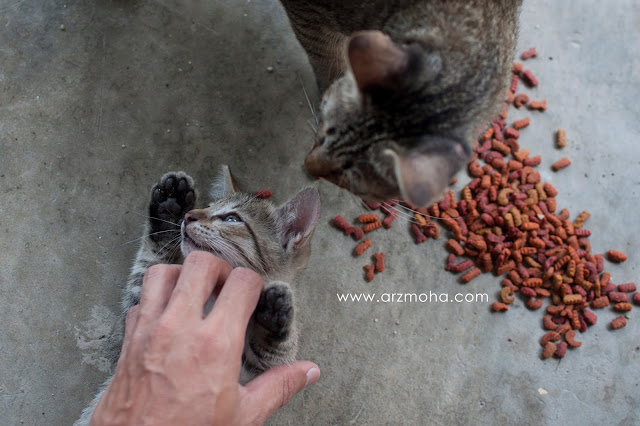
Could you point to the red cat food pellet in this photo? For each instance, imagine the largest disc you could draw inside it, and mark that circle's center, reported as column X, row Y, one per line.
column 356, row 232
column 534, row 304
column 369, row 272
column 560, row 164
column 569, row 337
column 363, row 246
column 514, row 83
column 373, row 205
column 531, row 53
column 617, row 297
column 388, row 221
column 517, row 67
column 616, row 256
column 379, row 259
column 470, row 275
column 589, row 317
column 368, row 218
column 371, row 226
column 636, row 298
column 462, row 266
column 561, row 349
column 510, row 132
column 264, row 193
column 520, row 99
column 618, row 322
column 341, row 223
column 600, row 302
column 420, row 237
column 529, row 78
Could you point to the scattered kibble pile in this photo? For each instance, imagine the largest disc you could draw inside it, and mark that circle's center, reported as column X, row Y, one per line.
column 507, row 222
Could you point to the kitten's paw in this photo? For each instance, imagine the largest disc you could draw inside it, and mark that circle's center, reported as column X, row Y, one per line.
column 275, row 309
column 171, row 198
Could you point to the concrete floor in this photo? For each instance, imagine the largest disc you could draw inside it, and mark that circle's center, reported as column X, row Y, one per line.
column 92, row 115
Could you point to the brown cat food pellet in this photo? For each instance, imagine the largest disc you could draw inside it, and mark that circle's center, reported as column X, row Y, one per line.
column 560, row 164
column 561, row 138
column 505, row 295
column 531, row 53
column 264, row 193
column 529, row 78
column 616, row 256
column 581, row 219
column 521, row 124
column 371, row 226
column 356, row 232
column 570, row 336
column 622, row 307
column 499, row 307
column 618, row 322
column 420, row 220
column 363, row 246
column 571, row 299
column 379, row 259
column 470, row 275
column 636, row 298
column 369, row 272
column 520, row 99
column 539, row 105
column 600, row 302
column 551, row 336
column 549, row 349
column 368, row 218
column 627, row 288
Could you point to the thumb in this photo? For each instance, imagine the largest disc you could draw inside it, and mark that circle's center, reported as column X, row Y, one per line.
column 274, row 388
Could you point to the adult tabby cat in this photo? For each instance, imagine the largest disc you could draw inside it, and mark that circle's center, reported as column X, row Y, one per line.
column 245, row 231
column 407, row 86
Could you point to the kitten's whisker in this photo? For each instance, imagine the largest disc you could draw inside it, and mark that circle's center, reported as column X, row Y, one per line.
column 312, row 126
column 313, row 112
column 422, row 214
column 145, row 236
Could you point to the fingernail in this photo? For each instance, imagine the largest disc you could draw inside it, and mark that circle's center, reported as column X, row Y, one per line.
column 312, row 376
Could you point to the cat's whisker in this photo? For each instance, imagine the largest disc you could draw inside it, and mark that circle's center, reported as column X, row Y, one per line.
column 147, row 217
column 312, row 126
column 153, row 233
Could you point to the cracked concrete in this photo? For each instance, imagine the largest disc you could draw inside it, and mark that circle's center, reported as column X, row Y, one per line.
column 92, row 115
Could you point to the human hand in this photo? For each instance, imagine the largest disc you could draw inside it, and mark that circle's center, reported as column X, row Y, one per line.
column 180, row 368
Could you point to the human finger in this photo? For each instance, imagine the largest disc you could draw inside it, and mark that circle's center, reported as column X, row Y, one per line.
column 274, row 388
column 201, row 272
column 157, row 285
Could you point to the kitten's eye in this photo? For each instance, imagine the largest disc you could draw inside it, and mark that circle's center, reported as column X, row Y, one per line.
column 232, row 217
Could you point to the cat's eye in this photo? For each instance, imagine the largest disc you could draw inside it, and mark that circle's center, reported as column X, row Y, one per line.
column 232, row 217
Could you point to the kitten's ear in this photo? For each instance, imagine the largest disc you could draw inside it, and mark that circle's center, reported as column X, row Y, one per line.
column 224, row 185
column 299, row 217
column 376, row 61
column 423, row 175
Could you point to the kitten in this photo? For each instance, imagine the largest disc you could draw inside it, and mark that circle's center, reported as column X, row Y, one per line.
column 407, row 86
column 245, row 231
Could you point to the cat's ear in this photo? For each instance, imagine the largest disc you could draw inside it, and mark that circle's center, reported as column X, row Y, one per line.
column 423, row 175
column 299, row 217
column 376, row 61
column 223, row 185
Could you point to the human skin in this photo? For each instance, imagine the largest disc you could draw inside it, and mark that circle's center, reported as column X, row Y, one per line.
column 178, row 366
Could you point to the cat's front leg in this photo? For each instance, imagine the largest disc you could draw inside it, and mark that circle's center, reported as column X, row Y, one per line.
column 272, row 335
column 171, row 197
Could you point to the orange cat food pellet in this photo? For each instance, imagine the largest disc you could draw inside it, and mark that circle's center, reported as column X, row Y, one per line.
column 468, row 276
column 364, row 245
column 622, row 307
column 517, row 67
column 561, row 138
column 539, row 105
column 520, row 99
column 521, row 124
column 371, row 226
column 420, row 220
column 560, row 164
column 581, row 219
column 455, row 247
column 616, row 256
column 379, row 259
column 618, row 322
column 368, row 218
column 529, row 78
column 499, row 307
column 570, row 336
column 531, row 53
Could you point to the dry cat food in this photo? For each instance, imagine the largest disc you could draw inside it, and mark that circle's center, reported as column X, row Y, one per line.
column 507, row 222
column 561, row 164
column 264, row 193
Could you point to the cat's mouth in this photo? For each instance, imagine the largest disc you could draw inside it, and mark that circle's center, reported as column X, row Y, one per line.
column 189, row 244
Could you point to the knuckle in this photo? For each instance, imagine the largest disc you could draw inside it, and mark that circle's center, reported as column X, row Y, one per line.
column 198, row 258
column 159, row 271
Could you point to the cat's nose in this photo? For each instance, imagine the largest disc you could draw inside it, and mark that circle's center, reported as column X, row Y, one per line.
column 194, row 216
column 317, row 164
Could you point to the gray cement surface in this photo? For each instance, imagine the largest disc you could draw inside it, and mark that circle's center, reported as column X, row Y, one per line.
column 92, row 114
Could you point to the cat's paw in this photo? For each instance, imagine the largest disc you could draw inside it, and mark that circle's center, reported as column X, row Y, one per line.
column 172, row 197
column 274, row 311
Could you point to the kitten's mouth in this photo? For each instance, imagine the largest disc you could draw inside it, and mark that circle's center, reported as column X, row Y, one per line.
column 189, row 244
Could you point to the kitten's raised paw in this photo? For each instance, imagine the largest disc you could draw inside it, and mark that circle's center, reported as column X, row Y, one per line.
column 275, row 309
column 171, row 198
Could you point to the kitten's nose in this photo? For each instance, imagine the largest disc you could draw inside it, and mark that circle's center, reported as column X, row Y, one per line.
column 317, row 164
column 194, row 215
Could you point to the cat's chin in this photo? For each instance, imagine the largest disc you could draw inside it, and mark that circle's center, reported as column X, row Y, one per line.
column 188, row 245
